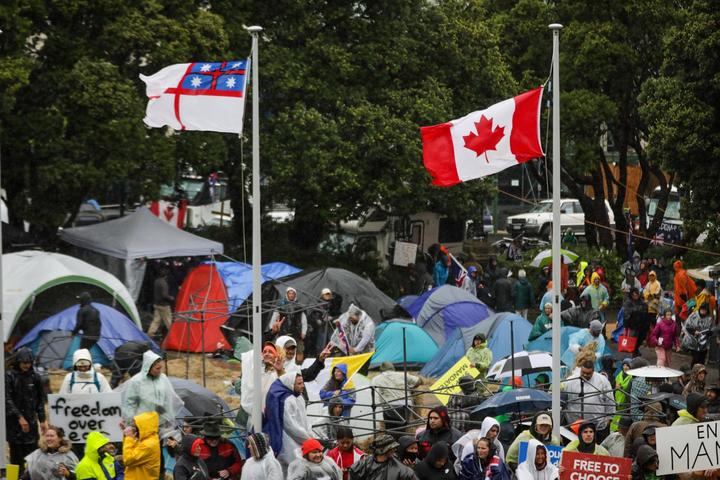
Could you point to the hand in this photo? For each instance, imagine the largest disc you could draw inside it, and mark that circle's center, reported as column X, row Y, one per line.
column 43, row 427
column 302, row 336
column 710, row 473
column 63, row 471
column 337, row 322
column 326, row 352
column 224, row 474
column 24, row 425
column 352, row 350
column 129, row 432
column 122, row 424
column 409, row 463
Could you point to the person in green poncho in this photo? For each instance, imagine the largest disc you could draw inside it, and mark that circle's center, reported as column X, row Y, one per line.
column 480, row 355
column 622, row 393
column 543, row 322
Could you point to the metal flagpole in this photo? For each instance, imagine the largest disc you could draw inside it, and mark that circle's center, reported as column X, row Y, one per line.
column 2, row 331
column 257, row 295
column 557, row 259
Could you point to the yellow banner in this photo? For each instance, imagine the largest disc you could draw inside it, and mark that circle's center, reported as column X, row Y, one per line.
column 354, row 363
column 448, row 383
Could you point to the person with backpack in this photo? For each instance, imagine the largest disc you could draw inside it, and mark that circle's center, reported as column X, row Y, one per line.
column 84, row 379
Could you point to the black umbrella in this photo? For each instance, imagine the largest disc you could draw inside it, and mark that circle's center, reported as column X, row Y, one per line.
column 199, row 401
column 518, row 400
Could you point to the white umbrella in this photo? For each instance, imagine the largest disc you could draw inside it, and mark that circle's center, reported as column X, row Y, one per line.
column 525, row 364
column 545, row 258
column 653, row 371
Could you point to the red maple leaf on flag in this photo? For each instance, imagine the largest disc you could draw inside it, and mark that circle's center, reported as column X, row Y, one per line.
column 485, row 139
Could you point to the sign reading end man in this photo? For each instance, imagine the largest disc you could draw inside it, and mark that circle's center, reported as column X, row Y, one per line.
column 79, row 415
column 688, row 448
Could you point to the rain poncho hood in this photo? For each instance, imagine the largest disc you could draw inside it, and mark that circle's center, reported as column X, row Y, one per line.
column 427, row 470
column 91, row 465
column 465, row 446
column 142, row 455
column 529, row 471
column 286, row 420
column 88, row 382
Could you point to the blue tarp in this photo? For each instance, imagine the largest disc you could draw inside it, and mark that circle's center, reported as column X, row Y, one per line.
column 419, row 346
column 497, row 331
column 406, row 301
column 116, row 330
column 237, row 277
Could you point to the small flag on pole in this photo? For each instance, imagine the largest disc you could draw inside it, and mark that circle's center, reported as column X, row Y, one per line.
column 484, row 142
column 206, row 96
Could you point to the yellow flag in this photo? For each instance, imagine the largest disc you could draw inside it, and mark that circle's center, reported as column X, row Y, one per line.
column 353, row 362
column 448, row 383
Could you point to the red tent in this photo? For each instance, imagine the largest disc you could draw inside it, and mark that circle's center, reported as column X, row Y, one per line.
column 201, row 308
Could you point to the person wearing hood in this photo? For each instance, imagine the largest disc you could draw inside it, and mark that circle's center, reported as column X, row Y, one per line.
column 381, row 464
column 697, row 380
column 441, row 270
column 581, row 338
column 141, row 447
column 684, row 287
column 540, row 430
column 590, row 395
column 523, row 293
column 289, row 346
column 537, row 465
column 220, row 455
column 270, row 364
column 150, row 390
column 24, row 406
column 713, row 396
column 84, row 379
column 679, row 384
column 479, row 355
column 653, row 416
column 313, row 464
column 543, row 322
column 598, row 294
column 335, row 420
column 437, row 464
column 407, row 452
column 359, row 331
column 261, row 463
column 652, row 293
column 502, row 292
column 704, row 296
column 697, row 331
column 697, row 406
column 547, row 296
column 87, row 320
column 289, row 319
column 623, row 381
column 190, row 466
column 484, row 463
column 437, row 429
column 53, row 460
column 345, row 454
column 336, row 387
column 636, row 317
column 98, row 462
column 490, row 429
column 664, row 337
column 460, row 404
column 468, row 280
column 580, row 315
column 646, row 464
column 286, row 420
column 586, row 441
column 615, row 442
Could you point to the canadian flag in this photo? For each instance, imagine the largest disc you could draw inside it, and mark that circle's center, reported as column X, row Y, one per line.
column 484, row 142
column 169, row 212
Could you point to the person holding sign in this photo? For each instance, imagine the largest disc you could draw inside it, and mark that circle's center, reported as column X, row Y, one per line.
column 586, row 442
column 537, row 465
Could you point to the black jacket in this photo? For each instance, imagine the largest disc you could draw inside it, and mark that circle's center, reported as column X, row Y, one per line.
column 87, row 319
column 24, row 396
column 502, row 293
column 188, row 467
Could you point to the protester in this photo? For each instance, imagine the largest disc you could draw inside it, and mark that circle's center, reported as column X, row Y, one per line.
column 334, row 420
column 537, row 465
column 615, row 442
column 580, row 315
column 141, row 447
column 479, row 355
column 220, row 455
column 598, row 294
column 272, row 362
column 590, row 396
column 460, row 404
column 664, row 337
column 346, row 453
column 697, row 380
column 652, row 415
column 128, row 360
column 261, row 463
column 84, row 378
column 608, row 367
column 681, row 382
column 313, row 464
column 697, row 331
column 484, row 463
column 162, row 304
column 286, row 420
column 407, row 452
column 713, row 396
column 648, row 438
column 87, row 320
column 622, row 385
column 470, row 280
column 652, row 292
column 705, row 296
column 630, row 282
column 151, row 391
column 436, row 465
column 543, row 322
column 54, row 458
column 646, row 464
column 171, row 450
column 289, row 346
column 502, row 292
column 438, row 429
column 684, row 287
column 635, row 317
column 190, row 466
column 358, row 330
column 336, row 387
column 322, row 316
column 542, row 382
column 523, row 294
column 381, row 464
column 24, row 407
column 98, row 462
column 540, row 430
column 587, row 441
column 581, row 339
column 390, row 391
column 548, row 296
column 289, row 319
column 484, row 294
column 695, row 412
column 490, row 429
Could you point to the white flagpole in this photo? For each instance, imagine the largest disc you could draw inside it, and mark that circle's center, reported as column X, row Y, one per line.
column 2, row 355
column 257, row 294
column 557, row 258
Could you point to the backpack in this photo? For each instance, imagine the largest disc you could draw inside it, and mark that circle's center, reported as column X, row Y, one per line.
column 95, row 381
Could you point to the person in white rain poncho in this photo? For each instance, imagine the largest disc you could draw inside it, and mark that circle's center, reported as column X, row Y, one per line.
column 288, row 344
column 355, row 333
column 537, row 464
column 84, row 378
column 261, row 463
column 271, row 363
column 150, row 390
column 490, row 428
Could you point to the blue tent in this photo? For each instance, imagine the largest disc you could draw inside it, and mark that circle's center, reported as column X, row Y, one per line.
column 406, row 301
column 445, row 309
column 419, row 346
column 496, row 328
column 52, row 336
column 237, row 277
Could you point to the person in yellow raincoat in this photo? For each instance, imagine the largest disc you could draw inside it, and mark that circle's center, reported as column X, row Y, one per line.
column 98, row 462
column 141, row 448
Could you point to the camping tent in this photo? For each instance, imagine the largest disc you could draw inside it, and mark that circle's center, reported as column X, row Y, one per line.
column 496, row 328
column 444, row 309
column 209, row 293
column 419, row 346
column 120, row 246
column 53, row 345
column 38, row 284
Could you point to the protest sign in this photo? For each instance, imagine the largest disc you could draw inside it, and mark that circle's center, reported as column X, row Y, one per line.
column 448, row 383
column 405, row 253
column 688, row 448
column 553, row 451
column 582, row 466
column 80, row 414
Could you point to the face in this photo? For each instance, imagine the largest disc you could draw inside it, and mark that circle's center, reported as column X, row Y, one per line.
column 588, row 435
column 187, row 429
column 651, row 440
column 540, row 456
column 701, row 376
column 711, row 395
column 434, row 421
column 440, row 462
column 596, row 282
column 269, row 355
column 336, row 410
column 635, row 295
column 345, row 444
column 25, row 366
column 291, row 295
column 290, row 351
column 548, row 310
column 354, row 319
column 482, row 449
column 652, row 465
column 586, row 373
column 626, row 367
column 668, row 315
column 52, row 439
column 493, row 432
column 299, row 385
column 156, row 369
column 701, row 412
column 315, row 456
column 197, row 449
column 477, row 342
column 83, row 367
column 413, row 448
column 338, row 374
column 212, row 441
column 542, row 429
column 326, row 297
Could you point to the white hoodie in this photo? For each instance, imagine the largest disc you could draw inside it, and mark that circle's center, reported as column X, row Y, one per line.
column 88, row 382
column 527, row 469
column 464, row 446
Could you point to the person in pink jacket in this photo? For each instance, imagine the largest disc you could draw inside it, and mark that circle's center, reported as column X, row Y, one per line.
column 664, row 337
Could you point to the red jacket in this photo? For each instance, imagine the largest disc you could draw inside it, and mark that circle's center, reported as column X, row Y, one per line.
column 223, row 457
column 667, row 330
column 336, row 455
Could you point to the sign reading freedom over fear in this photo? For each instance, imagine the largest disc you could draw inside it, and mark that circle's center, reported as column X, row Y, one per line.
column 688, row 448
column 582, row 466
column 79, row 415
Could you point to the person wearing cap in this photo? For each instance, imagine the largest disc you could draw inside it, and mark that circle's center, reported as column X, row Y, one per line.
column 313, row 464
column 586, row 441
column 542, row 382
column 479, row 355
column 598, row 294
column 390, row 388
column 695, row 412
column 345, row 454
column 359, row 332
column 87, row 320
column 590, row 396
column 581, row 338
column 289, row 346
column 220, row 455
column 697, row 380
column 645, row 465
column 261, row 462
column 437, row 429
column 540, row 430
column 84, row 379
column 322, row 316
column 681, row 382
column 523, row 294
column 615, row 442
column 537, row 465
column 460, row 404
column 289, row 319
column 381, row 464
column 697, row 330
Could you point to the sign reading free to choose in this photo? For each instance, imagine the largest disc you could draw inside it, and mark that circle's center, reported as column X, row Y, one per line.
column 582, row 466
